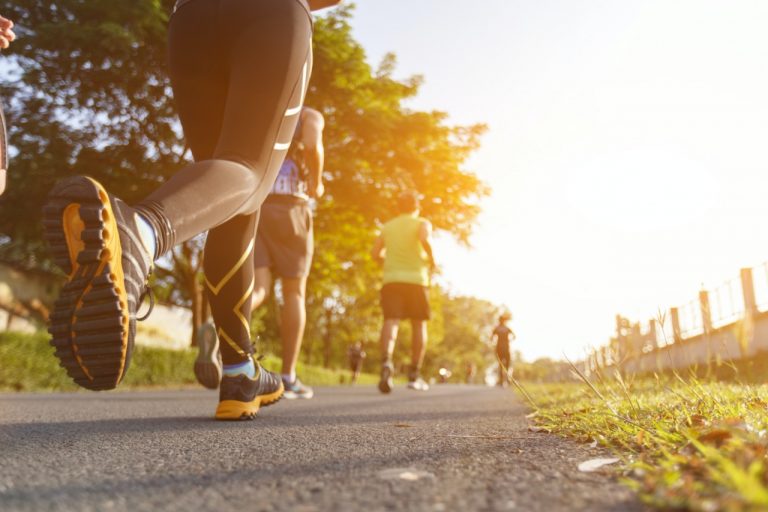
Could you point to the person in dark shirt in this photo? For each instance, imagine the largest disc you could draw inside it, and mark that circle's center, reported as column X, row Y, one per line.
column 356, row 356
column 502, row 335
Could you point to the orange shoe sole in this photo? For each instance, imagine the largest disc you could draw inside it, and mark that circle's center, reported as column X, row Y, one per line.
column 233, row 410
column 91, row 320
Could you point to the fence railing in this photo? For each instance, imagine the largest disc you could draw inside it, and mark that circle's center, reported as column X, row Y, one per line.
column 721, row 317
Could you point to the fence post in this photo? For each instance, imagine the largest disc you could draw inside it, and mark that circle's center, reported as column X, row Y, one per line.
column 622, row 342
column 706, row 324
column 706, row 311
column 674, row 317
column 748, row 289
column 652, row 334
column 746, row 333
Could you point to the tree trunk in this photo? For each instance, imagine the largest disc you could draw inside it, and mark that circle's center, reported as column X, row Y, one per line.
column 196, row 293
column 327, row 338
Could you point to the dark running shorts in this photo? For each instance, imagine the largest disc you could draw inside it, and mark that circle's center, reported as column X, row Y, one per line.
column 284, row 240
column 405, row 300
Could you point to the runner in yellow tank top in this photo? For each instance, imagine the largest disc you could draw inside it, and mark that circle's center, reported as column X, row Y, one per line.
column 406, row 260
column 406, row 253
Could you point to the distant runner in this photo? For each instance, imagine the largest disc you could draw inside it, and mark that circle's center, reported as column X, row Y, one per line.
column 502, row 336
column 405, row 250
column 356, row 356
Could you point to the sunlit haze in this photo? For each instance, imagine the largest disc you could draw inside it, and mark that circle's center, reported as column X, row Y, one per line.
column 626, row 149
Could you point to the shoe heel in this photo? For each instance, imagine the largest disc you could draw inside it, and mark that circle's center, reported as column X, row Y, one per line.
column 90, row 322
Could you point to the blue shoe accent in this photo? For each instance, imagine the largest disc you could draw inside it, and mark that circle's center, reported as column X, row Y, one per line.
column 247, row 368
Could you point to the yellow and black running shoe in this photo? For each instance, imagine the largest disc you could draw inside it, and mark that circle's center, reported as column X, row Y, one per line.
column 94, row 239
column 241, row 397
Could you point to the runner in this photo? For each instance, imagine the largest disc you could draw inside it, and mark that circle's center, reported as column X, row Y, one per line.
column 284, row 240
column 356, row 356
column 405, row 250
column 284, row 243
column 239, row 72
column 501, row 335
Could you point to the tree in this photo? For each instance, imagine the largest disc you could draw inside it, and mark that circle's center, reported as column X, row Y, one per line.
column 87, row 94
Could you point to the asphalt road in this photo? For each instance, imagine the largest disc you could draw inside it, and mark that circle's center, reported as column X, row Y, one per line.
column 453, row 448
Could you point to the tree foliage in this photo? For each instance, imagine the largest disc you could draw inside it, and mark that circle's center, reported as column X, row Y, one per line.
column 87, row 93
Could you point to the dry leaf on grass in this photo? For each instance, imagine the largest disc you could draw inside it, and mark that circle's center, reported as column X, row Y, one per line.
column 715, row 436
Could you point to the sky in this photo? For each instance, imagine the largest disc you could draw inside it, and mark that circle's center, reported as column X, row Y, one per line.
column 626, row 150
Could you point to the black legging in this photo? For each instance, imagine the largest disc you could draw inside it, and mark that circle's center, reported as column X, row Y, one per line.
column 239, row 70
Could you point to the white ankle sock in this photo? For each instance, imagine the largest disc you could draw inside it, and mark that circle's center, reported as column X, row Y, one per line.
column 147, row 235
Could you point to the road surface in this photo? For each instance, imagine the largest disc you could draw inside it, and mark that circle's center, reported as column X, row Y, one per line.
column 453, row 448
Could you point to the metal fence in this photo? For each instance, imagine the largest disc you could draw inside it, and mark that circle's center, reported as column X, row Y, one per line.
column 712, row 320
column 727, row 303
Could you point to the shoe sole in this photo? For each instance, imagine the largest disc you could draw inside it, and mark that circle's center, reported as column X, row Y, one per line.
column 208, row 374
column 90, row 322
column 290, row 395
column 234, row 410
column 207, row 368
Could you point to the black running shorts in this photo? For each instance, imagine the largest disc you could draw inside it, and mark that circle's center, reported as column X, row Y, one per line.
column 284, row 239
column 404, row 300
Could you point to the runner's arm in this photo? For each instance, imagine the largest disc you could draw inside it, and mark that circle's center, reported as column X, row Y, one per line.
column 315, row 5
column 313, row 124
column 425, row 231
column 378, row 250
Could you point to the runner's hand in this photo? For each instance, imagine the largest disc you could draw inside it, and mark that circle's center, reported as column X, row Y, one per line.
column 317, row 191
column 6, row 33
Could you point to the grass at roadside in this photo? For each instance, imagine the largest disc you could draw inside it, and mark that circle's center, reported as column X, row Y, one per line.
column 686, row 444
column 27, row 364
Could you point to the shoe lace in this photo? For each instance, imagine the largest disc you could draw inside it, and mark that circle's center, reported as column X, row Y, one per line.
column 147, row 293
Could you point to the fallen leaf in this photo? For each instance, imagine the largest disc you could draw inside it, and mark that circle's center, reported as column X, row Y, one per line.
column 715, row 436
column 532, row 415
column 403, row 425
column 538, row 429
column 697, row 420
column 591, row 465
